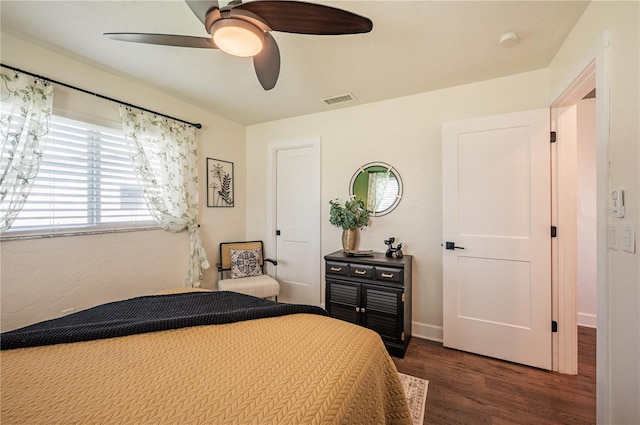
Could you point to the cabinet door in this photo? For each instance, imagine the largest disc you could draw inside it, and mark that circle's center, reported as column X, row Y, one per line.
column 383, row 311
column 343, row 300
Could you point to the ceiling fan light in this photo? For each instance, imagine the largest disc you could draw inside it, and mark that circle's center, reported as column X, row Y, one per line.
column 237, row 37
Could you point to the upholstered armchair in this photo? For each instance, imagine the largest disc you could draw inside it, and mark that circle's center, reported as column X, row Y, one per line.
column 242, row 267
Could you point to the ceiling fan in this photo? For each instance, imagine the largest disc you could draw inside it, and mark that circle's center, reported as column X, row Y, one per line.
column 243, row 29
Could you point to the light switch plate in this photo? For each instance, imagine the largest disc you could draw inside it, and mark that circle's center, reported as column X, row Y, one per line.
column 613, row 236
column 629, row 239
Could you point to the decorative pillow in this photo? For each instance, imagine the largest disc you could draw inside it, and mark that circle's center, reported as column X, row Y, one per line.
column 245, row 263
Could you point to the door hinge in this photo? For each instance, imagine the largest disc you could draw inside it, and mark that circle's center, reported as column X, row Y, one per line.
column 554, row 231
column 554, row 326
column 403, row 297
column 402, row 337
column 554, row 137
column 277, row 232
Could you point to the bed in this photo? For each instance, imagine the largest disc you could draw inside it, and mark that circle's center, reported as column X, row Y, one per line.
column 298, row 367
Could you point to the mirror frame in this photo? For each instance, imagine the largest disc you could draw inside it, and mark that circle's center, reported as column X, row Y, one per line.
column 390, row 169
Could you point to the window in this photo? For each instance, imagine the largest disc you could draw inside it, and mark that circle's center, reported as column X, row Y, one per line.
column 86, row 183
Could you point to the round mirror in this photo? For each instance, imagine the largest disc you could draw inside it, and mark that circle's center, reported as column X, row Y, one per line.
column 379, row 186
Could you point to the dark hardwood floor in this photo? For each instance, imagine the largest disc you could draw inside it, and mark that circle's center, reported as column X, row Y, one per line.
column 466, row 388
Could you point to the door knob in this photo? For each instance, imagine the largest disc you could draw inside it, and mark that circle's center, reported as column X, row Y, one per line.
column 452, row 246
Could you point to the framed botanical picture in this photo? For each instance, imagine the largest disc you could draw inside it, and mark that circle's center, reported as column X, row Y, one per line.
column 219, row 183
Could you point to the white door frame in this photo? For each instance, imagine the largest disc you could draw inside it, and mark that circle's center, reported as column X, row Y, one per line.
column 272, row 156
column 595, row 64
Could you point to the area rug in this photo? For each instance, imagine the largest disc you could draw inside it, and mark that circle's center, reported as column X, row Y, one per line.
column 416, row 392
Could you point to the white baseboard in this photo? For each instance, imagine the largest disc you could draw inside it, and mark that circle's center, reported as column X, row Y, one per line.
column 587, row 320
column 425, row 331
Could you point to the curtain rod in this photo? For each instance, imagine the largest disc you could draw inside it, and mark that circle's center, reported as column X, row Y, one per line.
column 196, row 125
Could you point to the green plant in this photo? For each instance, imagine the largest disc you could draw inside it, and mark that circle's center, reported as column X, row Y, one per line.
column 352, row 214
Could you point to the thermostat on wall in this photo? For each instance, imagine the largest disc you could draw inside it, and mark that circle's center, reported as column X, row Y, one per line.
column 617, row 203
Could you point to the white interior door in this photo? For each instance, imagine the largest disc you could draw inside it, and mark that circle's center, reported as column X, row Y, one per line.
column 298, row 222
column 497, row 210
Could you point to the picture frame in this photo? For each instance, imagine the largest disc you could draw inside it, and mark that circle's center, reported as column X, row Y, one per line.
column 220, row 183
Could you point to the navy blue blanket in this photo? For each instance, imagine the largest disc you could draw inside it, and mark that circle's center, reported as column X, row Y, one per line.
column 150, row 314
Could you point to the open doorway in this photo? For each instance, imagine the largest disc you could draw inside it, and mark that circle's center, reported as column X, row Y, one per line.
column 586, row 299
column 577, row 187
column 591, row 70
column 586, row 223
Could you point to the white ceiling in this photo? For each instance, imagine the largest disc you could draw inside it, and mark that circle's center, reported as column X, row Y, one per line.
column 415, row 46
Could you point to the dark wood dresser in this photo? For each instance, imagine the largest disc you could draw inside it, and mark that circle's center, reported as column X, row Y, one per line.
column 374, row 292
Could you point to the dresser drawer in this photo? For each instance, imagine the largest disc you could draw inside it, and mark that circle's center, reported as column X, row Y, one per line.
column 361, row 271
column 389, row 274
column 335, row 268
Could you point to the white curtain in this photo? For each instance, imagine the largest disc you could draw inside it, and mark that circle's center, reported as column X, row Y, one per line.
column 165, row 159
column 26, row 110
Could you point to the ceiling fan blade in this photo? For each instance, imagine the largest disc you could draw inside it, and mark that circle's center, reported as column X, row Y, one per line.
column 267, row 63
column 164, row 39
column 201, row 7
column 307, row 18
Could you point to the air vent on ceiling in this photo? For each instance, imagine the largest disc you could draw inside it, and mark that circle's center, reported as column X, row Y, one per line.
column 343, row 98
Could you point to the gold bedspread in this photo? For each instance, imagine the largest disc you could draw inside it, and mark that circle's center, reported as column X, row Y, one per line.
column 297, row 369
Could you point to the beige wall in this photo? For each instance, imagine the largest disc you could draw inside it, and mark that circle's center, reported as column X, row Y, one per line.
column 619, row 297
column 406, row 133
column 42, row 277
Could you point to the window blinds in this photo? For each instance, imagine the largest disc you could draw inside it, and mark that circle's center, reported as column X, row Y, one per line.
column 86, row 181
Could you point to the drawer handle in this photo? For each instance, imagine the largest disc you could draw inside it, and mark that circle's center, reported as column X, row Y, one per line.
column 336, row 269
column 358, row 309
column 387, row 275
column 361, row 272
